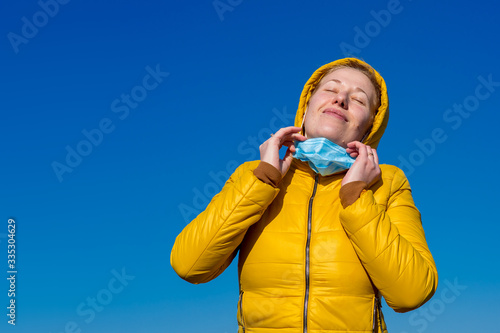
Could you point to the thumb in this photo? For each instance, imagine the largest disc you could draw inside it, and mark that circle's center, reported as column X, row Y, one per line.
column 287, row 161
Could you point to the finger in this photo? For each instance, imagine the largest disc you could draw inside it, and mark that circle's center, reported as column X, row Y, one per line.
column 353, row 153
column 354, row 144
column 282, row 132
column 287, row 144
column 352, row 149
column 361, row 148
column 292, row 149
column 293, row 137
column 287, row 159
column 298, row 137
column 369, row 152
column 375, row 156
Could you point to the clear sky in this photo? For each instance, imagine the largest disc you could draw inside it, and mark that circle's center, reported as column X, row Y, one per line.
column 120, row 119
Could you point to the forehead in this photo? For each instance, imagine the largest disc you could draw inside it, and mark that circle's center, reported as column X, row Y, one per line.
column 352, row 78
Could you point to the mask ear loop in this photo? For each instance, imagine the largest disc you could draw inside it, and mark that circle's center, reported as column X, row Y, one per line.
column 302, row 125
column 366, row 134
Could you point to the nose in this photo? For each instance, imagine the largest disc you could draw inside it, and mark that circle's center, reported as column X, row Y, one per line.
column 340, row 99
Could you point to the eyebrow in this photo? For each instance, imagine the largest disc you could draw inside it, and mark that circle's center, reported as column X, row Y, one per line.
column 355, row 89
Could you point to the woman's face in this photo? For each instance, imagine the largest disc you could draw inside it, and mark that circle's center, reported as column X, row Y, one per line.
column 342, row 107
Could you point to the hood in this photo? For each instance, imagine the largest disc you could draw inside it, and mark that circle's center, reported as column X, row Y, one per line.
column 381, row 117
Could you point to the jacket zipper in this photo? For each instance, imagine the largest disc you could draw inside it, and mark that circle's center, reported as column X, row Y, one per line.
column 380, row 315
column 377, row 310
column 374, row 314
column 309, row 224
column 241, row 312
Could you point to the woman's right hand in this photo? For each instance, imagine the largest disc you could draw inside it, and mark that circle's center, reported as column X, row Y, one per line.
column 270, row 149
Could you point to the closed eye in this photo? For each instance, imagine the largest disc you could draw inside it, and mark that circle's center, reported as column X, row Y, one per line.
column 359, row 101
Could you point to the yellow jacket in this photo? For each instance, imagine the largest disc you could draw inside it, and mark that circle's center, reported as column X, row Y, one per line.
column 307, row 264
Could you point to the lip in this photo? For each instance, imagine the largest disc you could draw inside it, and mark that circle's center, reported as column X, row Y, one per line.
column 335, row 113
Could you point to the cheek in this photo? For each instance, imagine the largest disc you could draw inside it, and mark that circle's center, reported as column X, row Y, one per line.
column 364, row 119
column 317, row 99
column 311, row 104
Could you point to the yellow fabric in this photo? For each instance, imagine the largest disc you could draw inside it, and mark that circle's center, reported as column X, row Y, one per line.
column 375, row 246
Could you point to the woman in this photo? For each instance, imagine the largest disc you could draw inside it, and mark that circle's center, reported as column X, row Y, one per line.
column 317, row 247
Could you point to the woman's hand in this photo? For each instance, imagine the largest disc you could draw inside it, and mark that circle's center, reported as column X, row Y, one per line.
column 366, row 167
column 270, row 149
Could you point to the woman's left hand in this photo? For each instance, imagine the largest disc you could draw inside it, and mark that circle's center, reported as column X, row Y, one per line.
column 366, row 167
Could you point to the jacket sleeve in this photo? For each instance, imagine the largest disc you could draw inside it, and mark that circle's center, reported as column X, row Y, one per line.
column 210, row 242
column 391, row 245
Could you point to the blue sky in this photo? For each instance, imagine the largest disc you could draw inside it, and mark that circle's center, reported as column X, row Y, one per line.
column 120, row 119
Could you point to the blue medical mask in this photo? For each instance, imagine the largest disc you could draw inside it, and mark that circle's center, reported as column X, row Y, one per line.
column 323, row 156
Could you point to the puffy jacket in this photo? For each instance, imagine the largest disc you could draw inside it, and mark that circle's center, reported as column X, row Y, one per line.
column 306, row 263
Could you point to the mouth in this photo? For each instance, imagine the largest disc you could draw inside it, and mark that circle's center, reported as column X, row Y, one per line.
column 335, row 113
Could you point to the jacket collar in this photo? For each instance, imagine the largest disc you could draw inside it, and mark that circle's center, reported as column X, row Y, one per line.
column 304, row 168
